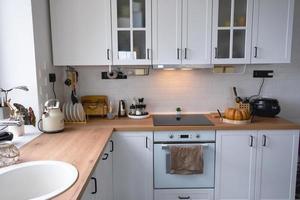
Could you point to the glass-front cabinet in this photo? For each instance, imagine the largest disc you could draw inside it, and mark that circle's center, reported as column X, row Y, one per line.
column 131, row 32
column 232, row 21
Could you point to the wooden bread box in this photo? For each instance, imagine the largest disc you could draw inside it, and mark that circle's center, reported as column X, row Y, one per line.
column 95, row 105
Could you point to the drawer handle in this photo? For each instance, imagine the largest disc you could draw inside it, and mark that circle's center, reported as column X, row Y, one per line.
column 181, row 197
column 105, row 156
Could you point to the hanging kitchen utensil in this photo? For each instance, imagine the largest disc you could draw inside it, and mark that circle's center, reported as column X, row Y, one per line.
column 237, row 98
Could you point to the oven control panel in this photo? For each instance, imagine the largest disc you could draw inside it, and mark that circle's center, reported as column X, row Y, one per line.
column 192, row 136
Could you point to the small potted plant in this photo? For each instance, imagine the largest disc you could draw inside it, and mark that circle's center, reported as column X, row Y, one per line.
column 178, row 112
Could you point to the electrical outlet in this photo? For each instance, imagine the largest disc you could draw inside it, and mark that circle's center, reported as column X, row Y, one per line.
column 263, row 73
column 52, row 78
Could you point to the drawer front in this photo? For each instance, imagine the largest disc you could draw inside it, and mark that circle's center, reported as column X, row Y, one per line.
column 182, row 194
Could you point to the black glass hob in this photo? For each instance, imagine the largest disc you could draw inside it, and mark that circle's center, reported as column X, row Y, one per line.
column 183, row 120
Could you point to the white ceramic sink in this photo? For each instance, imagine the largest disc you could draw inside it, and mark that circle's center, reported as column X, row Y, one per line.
column 37, row 180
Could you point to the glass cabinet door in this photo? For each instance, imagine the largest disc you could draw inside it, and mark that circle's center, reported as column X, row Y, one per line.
column 131, row 31
column 231, row 29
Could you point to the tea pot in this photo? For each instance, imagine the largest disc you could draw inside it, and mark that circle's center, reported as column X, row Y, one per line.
column 52, row 119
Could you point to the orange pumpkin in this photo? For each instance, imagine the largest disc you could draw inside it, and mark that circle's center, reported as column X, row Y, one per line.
column 237, row 114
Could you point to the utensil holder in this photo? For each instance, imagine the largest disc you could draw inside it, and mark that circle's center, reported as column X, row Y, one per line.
column 245, row 106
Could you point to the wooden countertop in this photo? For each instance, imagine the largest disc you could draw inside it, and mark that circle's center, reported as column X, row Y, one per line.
column 82, row 144
column 259, row 123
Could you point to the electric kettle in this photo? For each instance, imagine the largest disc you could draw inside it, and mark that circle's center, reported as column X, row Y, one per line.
column 52, row 119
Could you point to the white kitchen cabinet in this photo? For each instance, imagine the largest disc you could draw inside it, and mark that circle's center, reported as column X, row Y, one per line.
column 272, row 31
column 235, row 164
column 100, row 186
column 232, row 23
column 131, row 32
column 192, row 194
column 104, row 173
column 276, row 165
column 81, row 32
column 181, row 32
column 257, row 165
column 133, row 166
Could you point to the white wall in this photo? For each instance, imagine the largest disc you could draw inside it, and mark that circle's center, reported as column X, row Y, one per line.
column 201, row 90
column 17, row 61
column 43, row 53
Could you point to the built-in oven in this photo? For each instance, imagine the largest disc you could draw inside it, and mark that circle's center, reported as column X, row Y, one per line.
column 163, row 179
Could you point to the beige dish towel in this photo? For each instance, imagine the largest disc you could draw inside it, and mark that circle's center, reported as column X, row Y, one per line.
column 186, row 160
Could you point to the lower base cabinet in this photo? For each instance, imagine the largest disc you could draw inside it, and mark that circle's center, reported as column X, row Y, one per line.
column 188, row 194
column 259, row 165
column 100, row 186
column 133, row 166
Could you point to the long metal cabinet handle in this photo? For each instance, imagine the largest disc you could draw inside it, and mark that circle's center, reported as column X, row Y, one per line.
column 147, row 143
column 148, row 54
column 255, row 52
column 264, row 141
column 181, row 197
column 108, row 54
column 178, row 54
column 251, row 141
column 185, row 53
column 95, row 181
column 216, row 52
column 112, row 146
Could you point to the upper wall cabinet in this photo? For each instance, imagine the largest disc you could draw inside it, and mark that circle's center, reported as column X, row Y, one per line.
column 81, row 32
column 232, row 22
column 272, row 31
column 131, row 32
column 181, row 31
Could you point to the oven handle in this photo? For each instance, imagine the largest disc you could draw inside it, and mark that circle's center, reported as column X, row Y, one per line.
column 167, row 146
column 181, row 197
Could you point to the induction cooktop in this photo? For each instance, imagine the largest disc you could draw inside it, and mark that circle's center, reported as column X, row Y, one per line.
column 183, row 120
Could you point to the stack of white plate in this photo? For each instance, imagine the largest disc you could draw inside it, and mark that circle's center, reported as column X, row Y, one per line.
column 74, row 112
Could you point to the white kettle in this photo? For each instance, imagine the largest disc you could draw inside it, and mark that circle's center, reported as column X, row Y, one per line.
column 52, row 119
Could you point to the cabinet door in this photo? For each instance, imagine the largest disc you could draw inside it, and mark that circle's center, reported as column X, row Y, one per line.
column 105, row 176
column 167, row 27
column 131, row 31
column 277, row 165
column 196, row 30
column 235, row 165
column 81, row 32
column 232, row 23
column 133, row 166
column 272, row 31
column 193, row 194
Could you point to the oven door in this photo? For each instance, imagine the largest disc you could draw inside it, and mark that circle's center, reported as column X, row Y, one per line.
column 164, row 180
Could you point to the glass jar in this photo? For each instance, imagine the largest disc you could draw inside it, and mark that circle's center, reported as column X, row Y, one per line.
column 9, row 154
